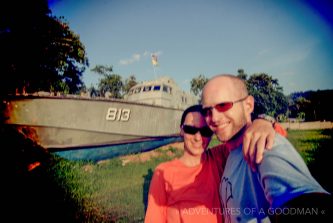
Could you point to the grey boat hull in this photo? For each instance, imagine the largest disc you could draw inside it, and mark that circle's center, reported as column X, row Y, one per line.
column 63, row 123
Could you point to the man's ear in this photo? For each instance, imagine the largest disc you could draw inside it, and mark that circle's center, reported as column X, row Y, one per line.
column 249, row 104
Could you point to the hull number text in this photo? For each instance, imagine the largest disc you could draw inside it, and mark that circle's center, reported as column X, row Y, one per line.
column 118, row 114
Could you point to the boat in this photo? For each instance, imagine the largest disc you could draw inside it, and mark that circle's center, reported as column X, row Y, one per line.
column 150, row 112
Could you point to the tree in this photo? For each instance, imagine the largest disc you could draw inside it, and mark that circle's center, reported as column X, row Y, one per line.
column 241, row 74
column 268, row 95
column 110, row 82
column 129, row 83
column 197, row 84
column 38, row 50
column 298, row 105
column 93, row 92
column 315, row 104
column 103, row 70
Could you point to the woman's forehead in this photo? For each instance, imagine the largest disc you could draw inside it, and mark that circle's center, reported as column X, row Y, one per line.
column 194, row 118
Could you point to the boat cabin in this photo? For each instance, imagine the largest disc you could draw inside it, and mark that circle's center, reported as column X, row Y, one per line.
column 163, row 91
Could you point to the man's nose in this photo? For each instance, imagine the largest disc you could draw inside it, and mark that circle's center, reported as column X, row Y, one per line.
column 215, row 115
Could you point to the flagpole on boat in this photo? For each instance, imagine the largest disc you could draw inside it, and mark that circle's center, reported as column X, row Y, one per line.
column 154, row 71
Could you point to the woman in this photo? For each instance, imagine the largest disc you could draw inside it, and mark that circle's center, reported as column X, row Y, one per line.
column 186, row 189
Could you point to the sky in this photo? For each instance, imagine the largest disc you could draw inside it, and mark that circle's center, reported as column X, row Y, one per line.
column 291, row 40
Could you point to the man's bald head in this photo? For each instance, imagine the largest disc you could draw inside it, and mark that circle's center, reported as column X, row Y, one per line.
column 231, row 86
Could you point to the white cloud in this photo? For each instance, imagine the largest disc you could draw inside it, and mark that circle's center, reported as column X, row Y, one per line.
column 264, row 52
column 136, row 57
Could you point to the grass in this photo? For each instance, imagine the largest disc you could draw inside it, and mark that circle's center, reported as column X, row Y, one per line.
column 60, row 190
column 306, row 142
column 315, row 146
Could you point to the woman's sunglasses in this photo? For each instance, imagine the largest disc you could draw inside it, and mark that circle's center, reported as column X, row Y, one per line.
column 222, row 107
column 204, row 131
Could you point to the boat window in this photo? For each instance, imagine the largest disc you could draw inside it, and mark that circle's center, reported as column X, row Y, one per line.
column 147, row 88
column 130, row 92
column 157, row 87
column 165, row 88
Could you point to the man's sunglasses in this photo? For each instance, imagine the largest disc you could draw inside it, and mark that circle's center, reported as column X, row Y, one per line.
column 204, row 131
column 222, row 107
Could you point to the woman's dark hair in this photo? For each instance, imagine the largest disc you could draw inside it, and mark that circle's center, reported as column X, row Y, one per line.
column 193, row 108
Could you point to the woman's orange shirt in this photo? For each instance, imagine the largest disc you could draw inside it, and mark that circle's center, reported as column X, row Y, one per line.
column 179, row 193
column 279, row 129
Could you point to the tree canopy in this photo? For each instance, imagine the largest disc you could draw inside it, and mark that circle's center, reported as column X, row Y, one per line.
column 109, row 83
column 315, row 105
column 39, row 51
column 129, row 83
column 268, row 94
column 113, row 83
column 198, row 83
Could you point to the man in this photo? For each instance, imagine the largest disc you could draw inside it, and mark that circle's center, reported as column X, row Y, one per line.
column 186, row 189
column 281, row 187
